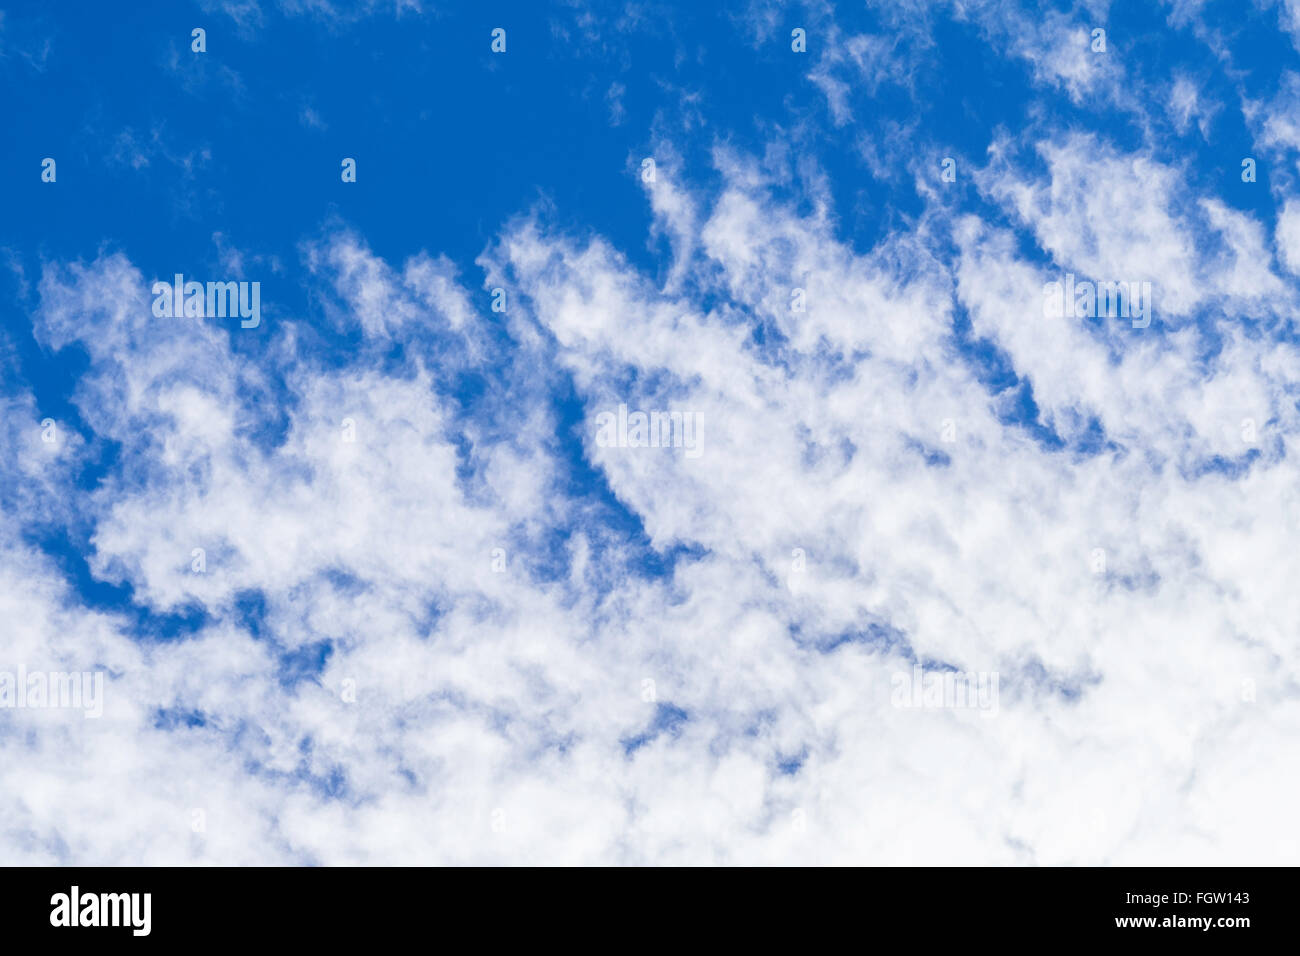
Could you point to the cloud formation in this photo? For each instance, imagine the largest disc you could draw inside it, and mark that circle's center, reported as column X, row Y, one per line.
column 367, row 588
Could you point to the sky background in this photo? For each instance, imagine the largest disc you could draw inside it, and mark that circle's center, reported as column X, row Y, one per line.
column 438, row 621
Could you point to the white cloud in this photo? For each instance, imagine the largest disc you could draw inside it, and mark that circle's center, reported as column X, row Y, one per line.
column 864, row 500
column 1288, row 235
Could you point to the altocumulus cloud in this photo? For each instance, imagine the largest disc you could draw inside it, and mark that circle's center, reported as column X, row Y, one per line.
column 393, row 602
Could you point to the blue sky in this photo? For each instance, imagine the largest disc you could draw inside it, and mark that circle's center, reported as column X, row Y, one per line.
column 468, row 607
